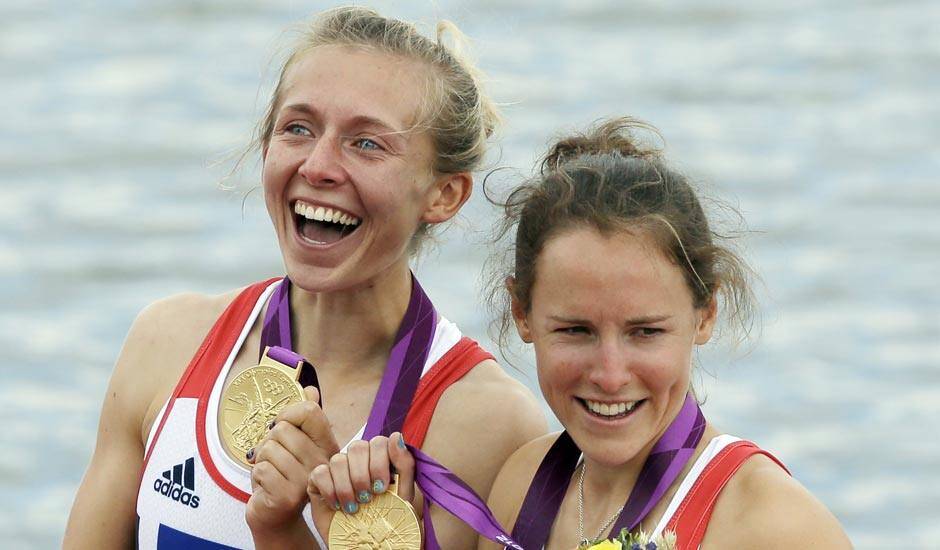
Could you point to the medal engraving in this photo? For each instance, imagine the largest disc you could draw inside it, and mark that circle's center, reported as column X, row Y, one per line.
column 386, row 523
column 251, row 400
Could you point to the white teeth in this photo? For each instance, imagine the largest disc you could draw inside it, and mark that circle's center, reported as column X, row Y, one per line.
column 610, row 409
column 324, row 214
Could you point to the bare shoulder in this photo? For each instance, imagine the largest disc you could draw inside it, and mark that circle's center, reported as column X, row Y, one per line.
column 158, row 347
column 764, row 507
column 512, row 482
column 490, row 403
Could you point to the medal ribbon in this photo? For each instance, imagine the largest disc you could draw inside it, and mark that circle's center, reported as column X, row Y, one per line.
column 275, row 334
column 667, row 458
column 396, row 391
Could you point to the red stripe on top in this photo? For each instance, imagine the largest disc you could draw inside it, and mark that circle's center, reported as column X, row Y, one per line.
column 691, row 518
column 457, row 362
column 230, row 325
column 195, row 376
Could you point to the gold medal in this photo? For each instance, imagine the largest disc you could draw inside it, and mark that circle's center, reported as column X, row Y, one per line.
column 252, row 400
column 388, row 522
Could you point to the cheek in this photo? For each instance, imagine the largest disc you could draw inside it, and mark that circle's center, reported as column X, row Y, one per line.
column 558, row 369
column 663, row 368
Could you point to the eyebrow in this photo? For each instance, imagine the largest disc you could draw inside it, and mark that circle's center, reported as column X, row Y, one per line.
column 647, row 320
column 358, row 120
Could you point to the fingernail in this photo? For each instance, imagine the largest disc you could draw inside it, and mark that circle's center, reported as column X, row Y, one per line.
column 401, row 442
column 364, row 496
column 336, row 506
column 272, row 423
column 378, row 486
column 352, row 507
column 250, row 454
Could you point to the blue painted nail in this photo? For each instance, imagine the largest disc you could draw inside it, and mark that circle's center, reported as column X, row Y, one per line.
column 364, row 496
column 378, row 486
column 336, row 505
column 352, row 507
column 401, row 442
column 250, row 454
column 271, row 424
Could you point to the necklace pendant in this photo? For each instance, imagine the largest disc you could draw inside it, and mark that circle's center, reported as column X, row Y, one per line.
column 584, row 543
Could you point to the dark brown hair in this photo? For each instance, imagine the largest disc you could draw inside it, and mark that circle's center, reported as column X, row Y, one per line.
column 606, row 180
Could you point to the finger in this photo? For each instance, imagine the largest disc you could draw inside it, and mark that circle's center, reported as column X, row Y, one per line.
column 357, row 456
column 304, row 450
column 404, row 464
column 309, row 417
column 379, row 464
column 311, row 393
column 266, row 476
column 339, row 471
column 283, row 460
column 320, row 487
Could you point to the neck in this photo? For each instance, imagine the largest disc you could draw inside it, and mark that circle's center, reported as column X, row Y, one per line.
column 351, row 329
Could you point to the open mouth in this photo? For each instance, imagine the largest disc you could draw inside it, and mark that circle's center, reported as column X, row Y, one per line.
column 323, row 225
column 611, row 411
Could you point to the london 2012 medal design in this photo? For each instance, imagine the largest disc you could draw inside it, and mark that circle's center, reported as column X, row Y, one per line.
column 388, row 522
column 252, row 400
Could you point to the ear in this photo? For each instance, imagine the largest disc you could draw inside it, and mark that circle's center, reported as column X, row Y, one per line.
column 518, row 312
column 447, row 195
column 706, row 321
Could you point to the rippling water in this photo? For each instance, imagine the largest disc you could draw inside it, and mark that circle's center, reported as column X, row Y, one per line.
column 819, row 120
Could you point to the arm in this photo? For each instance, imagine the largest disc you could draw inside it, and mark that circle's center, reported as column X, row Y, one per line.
column 763, row 507
column 480, row 421
column 104, row 512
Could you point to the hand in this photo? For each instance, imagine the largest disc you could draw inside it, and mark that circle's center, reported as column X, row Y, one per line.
column 299, row 440
column 362, row 472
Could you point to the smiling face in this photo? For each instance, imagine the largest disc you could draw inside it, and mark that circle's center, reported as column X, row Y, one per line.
column 347, row 181
column 613, row 326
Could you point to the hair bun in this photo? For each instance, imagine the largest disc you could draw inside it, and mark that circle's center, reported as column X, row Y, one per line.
column 605, row 137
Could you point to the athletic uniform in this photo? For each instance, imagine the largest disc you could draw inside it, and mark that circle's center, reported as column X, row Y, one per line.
column 691, row 507
column 192, row 494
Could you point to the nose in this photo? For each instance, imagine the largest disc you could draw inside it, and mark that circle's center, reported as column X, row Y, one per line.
column 611, row 369
column 323, row 165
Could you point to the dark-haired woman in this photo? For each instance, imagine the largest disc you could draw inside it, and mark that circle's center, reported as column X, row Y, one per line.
column 617, row 278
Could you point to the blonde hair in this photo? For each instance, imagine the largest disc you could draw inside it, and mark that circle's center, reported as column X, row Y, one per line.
column 455, row 111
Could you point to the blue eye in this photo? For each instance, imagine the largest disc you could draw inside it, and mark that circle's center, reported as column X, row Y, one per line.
column 366, row 144
column 297, row 130
column 573, row 330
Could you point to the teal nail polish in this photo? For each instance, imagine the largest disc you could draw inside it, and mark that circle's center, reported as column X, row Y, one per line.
column 378, row 486
column 336, row 506
column 364, row 496
column 401, row 442
column 352, row 507
column 250, row 454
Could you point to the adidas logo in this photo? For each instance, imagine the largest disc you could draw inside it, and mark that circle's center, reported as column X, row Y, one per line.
column 179, row 484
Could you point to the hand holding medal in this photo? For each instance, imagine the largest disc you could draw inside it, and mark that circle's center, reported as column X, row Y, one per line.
column 373, row 507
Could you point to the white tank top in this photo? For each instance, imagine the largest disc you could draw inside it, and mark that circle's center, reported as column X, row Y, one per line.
column 179, row 503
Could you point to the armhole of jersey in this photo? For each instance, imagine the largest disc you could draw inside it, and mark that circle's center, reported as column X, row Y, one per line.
column 691, row 518
column 236, row 308
column 456, row 363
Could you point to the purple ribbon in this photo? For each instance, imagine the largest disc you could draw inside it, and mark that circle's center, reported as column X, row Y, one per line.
column 276, row 337
column 667, row 458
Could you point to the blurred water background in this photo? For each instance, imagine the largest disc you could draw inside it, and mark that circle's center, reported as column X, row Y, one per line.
column 819, row 120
